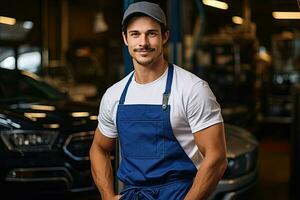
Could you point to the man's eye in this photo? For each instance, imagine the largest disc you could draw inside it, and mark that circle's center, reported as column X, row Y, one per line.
column 152, row 34
column 134, row 34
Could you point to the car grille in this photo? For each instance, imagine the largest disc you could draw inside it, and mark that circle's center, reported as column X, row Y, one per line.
column 77, row 145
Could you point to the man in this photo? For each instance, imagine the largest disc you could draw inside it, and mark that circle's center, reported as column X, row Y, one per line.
column 167, row 120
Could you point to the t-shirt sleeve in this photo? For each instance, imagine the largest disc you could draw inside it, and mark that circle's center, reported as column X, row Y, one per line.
column 105, row 118
column 203, row 110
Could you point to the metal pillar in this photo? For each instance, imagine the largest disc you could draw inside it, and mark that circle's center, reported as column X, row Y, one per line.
column 175, row 44
column 45, row 33
column 197, row 35
column 64, row 30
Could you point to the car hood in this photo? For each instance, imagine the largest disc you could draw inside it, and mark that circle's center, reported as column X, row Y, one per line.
column 50, row 114
column 239, row 141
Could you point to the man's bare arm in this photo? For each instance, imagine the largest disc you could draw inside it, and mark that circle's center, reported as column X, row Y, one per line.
column 101, row 165
column 211, row 143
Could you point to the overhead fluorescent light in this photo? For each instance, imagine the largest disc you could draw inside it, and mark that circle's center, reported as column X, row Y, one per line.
column 237, row 20
column 43, row 107
column 7, row 20
column 286, row 15
column 216, row 4
column 80, row 114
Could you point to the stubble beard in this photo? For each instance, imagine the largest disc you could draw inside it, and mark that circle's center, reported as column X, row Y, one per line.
column 149, row 62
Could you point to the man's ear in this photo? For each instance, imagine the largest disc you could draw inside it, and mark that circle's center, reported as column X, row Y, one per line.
column 166, row 37
column 125, row 38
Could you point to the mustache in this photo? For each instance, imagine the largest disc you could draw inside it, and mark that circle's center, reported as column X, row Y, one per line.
column 143, row 49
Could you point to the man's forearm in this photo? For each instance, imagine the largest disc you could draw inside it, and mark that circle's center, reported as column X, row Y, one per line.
column 102, row 172
column 207, row 178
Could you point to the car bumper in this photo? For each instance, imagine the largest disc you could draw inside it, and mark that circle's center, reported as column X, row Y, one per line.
column 239, row 188
column 49, row 180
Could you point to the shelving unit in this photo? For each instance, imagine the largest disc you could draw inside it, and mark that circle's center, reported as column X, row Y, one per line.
column 284, row 78
column 227, row 65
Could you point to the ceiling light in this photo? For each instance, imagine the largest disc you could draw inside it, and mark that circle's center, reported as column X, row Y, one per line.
column 93, row 117
column 28, row 25
column 286, row 15
column 80, row 114
column 7, row 20
column 237, row 20
column 100, row 24
column 43, row 107
column 216, row 4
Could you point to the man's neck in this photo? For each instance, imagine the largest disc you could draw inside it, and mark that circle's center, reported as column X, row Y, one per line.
column 147, row 74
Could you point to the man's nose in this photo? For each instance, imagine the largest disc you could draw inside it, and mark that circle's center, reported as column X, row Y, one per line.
column 144, row 40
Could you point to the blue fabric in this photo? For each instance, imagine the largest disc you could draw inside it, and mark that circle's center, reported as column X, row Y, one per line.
column 151, row 155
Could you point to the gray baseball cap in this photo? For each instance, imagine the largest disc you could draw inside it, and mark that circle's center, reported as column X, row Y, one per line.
column 151, row 9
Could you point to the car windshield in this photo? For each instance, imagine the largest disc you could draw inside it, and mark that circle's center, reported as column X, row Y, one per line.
column 24, row 86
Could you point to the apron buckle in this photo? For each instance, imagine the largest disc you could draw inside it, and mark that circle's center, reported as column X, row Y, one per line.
column 165, row 100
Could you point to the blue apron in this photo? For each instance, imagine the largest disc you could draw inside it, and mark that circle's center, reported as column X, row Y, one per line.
column 153, row 164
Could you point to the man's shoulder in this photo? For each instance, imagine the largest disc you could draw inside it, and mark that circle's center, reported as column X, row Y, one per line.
column 186, row 77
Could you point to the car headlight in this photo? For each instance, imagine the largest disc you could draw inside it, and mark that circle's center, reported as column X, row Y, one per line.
column 26, row 140
column 240, row 165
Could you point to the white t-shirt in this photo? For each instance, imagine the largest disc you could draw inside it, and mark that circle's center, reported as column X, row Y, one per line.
column 193, row 106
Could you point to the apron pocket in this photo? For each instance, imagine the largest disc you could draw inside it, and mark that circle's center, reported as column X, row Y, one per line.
column 141, row 139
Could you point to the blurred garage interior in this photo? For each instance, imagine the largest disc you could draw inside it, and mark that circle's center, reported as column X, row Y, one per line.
column 247, row 50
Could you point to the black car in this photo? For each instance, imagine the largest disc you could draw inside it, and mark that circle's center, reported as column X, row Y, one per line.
column 44, row 137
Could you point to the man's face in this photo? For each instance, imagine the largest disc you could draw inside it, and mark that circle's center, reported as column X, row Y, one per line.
column 145, row 40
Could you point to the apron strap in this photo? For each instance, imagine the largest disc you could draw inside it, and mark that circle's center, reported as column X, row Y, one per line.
column 123, row 96
column 169, row 79
column 167, row 92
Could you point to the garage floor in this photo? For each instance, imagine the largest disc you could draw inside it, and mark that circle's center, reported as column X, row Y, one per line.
column 274, row 169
